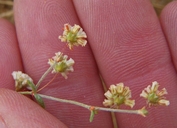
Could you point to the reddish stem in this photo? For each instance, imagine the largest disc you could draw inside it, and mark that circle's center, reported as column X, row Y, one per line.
column 47, row 83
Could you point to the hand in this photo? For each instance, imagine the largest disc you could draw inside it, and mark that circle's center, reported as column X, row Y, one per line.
column 126, row 43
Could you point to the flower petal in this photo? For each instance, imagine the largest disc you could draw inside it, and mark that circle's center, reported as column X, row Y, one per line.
column 130, row 103
column 108, row 94
column 120, row 87
column 164, row 102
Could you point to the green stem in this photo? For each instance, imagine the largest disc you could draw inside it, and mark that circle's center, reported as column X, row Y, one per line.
column 26, row 92
column 88, row 106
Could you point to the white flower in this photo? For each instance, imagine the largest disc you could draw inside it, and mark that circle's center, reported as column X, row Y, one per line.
column 61, row 64
column 21, row 79
column 118, row 95
column 154, row 96
column 73, row 36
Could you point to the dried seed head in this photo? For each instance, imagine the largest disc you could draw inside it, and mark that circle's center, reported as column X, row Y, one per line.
column 21, row 80
column 73, row 36
column 154, row 96
column 61, row 64
column 117, row 95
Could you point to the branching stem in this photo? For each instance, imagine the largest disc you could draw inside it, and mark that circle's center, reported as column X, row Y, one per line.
column 44, row 75
column 88, row 106
column 47, row 83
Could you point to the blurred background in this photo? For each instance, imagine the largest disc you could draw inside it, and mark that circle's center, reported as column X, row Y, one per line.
column 159, row 5
column 6, row 8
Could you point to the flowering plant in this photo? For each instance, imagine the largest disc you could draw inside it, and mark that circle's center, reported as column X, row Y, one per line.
column 116, row 96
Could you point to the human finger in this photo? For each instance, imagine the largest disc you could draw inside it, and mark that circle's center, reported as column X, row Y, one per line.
column 168, row 21
column 38, row 27
column 19, row 111
column 129, row 46
column 9, row 54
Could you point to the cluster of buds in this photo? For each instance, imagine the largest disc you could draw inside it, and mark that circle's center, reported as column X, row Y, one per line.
column 117, row 95
column 61, row 64
column 21, row 80
column 154, row 96
column 73, row 36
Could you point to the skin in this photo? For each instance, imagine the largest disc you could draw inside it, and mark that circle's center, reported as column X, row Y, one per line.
column 127, row 43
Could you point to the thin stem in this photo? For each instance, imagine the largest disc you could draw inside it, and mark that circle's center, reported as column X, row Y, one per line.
column 26, row 92
column 118, row 110
column 44, row 75
column 66, row 101
column 114, row 121
column 88, row 106
column 47, row 83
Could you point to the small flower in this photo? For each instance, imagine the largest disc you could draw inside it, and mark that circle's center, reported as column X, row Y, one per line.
column 21, row 80
column 154, row 96
column 73, row 36
column 61, row 64
column 118, row 95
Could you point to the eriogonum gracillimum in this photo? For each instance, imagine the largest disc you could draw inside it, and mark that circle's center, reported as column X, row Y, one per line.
column 61, row 64
column 117, row 95
column 73, row 35
column 154, row 96
column 21, row 80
